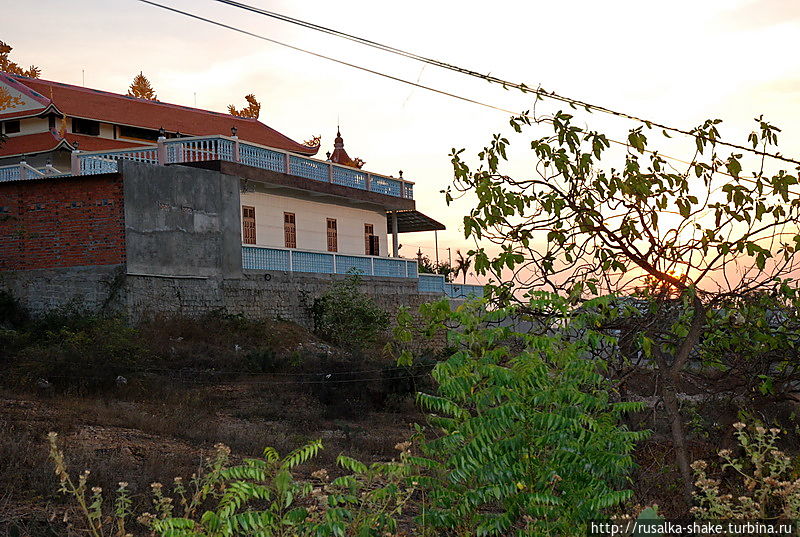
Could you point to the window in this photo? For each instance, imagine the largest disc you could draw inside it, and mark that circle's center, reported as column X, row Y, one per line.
column 11, row 127
column 289, row 230
column 371, row 241
column 85, row 126
column 138, row 134
column 332, row 243
column 248, row 224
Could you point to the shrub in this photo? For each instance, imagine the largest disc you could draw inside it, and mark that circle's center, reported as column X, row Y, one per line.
column 347, row 317
column 12, row 314
column 84, row 353
column 767, row 487
column 526, row 442
column 257, row 497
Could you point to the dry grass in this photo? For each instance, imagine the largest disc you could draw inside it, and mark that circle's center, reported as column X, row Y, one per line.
column 190, row 384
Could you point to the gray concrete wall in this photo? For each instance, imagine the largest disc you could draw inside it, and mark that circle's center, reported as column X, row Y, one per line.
column 91, row 288
column 181, row 221
column 256, row 295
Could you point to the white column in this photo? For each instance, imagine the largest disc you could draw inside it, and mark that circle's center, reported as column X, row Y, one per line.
column 236, row 151
column 161, row 151
column 395, row 242
column 75, row 163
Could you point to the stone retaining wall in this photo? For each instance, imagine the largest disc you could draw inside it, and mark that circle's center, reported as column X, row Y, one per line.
column 254, row 295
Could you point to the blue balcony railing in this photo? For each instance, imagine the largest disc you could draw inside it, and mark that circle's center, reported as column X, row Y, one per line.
column 435, row 283
column 200, row 148
column 293, row 260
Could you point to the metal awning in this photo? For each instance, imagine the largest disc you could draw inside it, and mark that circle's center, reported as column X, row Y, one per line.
column 412, row 220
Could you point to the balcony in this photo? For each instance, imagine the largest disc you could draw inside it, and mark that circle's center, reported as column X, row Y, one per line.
column 292, row 260
column 23, row 171
column 227, row 148
column 205, row 148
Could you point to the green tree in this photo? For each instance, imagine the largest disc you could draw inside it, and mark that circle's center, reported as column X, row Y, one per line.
column 689, row 241
column 462, row 265
column 427, row 266
column 526, row 440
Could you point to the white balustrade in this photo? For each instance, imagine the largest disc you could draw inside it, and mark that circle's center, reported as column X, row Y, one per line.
column 204, row 148
column 94, row 162
column 19, row 172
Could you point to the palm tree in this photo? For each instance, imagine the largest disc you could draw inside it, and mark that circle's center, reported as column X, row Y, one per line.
column 462, row 265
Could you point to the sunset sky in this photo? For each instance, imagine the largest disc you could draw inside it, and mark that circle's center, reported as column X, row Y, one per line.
column 677, row 62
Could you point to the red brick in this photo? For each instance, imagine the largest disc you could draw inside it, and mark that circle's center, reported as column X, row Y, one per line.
column 60, row 235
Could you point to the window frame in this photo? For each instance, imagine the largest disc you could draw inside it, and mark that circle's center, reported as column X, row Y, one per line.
column 81, row 126
column 16, row 122
column 248, row 224
column 332, row 235
column 289, row 230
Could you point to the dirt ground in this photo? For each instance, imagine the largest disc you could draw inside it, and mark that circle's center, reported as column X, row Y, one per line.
column 141, row 441
column 245, row 385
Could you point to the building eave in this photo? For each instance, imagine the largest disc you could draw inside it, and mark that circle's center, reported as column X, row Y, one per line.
column 410, row 221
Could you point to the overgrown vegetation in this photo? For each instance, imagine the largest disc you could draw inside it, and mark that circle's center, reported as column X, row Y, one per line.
column 697, row 248
column 259, row 496
column 761, row 480
column 525, row 438
column 347, row 317
column 522, row 439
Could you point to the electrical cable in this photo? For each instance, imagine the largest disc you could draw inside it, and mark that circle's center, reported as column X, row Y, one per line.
column 493, row 79
column 460, row 97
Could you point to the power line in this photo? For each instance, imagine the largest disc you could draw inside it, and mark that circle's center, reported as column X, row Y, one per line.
column 493, row 79
column 330, row 58
column 446, row 93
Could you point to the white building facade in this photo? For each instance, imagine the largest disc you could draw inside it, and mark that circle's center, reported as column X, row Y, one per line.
column 282, row 218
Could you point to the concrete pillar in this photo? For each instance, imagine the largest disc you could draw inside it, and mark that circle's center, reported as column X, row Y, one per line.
column 395, row 242
column 237, row 157
column 436, row 242
column 161, row 151
column 75, row 163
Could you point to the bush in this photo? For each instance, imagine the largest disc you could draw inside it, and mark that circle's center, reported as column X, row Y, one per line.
column 525, row 442
column 78, row 352
column 256, row 497
column 767, row 488
column 12, row 314
column 347, row 317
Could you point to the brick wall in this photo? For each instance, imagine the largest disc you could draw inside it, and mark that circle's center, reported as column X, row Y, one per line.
column 65, row 222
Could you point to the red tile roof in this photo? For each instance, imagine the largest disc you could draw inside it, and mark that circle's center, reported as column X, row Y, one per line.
column 76, row 101
column 31, row 143
column 48, row 141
